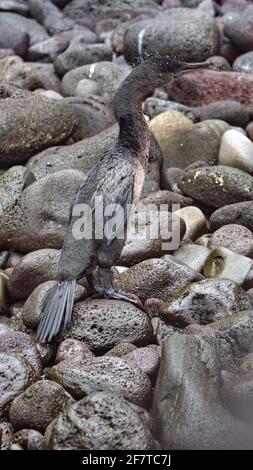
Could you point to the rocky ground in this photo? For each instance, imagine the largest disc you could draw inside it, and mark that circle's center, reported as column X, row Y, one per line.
column 181, row 375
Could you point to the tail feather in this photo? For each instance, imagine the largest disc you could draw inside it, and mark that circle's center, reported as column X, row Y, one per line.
column 57, row 311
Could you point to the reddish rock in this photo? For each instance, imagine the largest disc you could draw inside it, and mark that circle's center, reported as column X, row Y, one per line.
column 205, row 86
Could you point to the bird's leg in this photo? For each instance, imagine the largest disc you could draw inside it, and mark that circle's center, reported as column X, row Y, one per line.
column 111, row 293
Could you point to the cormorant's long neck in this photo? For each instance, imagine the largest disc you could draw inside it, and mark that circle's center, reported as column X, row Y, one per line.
column 139, row 84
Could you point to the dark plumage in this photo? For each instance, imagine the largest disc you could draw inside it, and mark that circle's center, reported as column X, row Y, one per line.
column 117, row 178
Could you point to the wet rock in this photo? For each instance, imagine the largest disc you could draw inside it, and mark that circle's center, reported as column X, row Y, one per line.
column 238, row 28
column 199, row 37
column 93, row 115
column 187, row 402
column 226, row 264
column 195, row 221
column 193, row 255
column 107, row 75
column 182, row 142
column 22, row 344
column 147, row 359
column 33, row 307
column 199, row 88
column 5, row 436
column 29, row 439
column 12, row 183
column 101, row 325
column 14, row 39
column 48, row 50
column 33, row 222
column 240, row 213
column 102, row 420
column 79, row 53
column 80, row 156
column 205, row 302
column 238, row 396
column 121, row 349
column 38, row 405
column 217, row 185
column 235, row 237
column 12, row 20
column 236, row 150
column 16, row 374
column 160, row 278
column 70, row 348
column 33, row 123
column 35, row 268
column 231, row 336
column 81, row 377
column 244, row 63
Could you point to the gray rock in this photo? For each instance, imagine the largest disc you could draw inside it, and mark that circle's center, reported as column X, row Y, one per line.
column 70, row 348
column 233, row 112
column 80, row 53
column 102, row 420
column 33, row 307
column 240, row 213
column 107, row 75
column 22, row 344
column 226, row 264
column 34, row 123
column 232, row 337
column 158, row 277
column 33, row 222
column 147, row 359
column 29, row 439
column 193, row 255
column 48, row 50
column 238, row 29
column 35, row 268
column 187, row 404
column 47, row 76
column 164, row 331
column 17, row 6
column 205, row 302
column 217, row 185
column 36, row 32
column 154, row 106
column 6, row 53
column 16, row 374
column 244, row 63
column 246, row 364
column 195, row 222
column 238, row 396
column 101, row 325
column 81, row 377
column 38, row 405
column 14, row 39
column 235, row 237
column 12, row 183
column 50, row 16
column 87, row 87
column 121, row 349
column 199, row 37
column 6, row 436
column 14, row 71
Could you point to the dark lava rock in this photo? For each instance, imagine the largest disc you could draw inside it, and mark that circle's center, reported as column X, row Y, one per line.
column 104, row 421
column 238, row 28
column 5, row 436
column 29, row 439
column 35, row 268
column 22, row 344
column 33, row 307
column 217, row 185
column 199, row 37
column 157, row 277
column 12, row 20
column 12, row 183
column 234, row 237
column 38, row 405
column 14, row 39
column 31, row 124
column 231, row 336
column 103, row 324
column 238, row 396
column 70, row 348
column 39, row 217
column 16, row 374
column 80, row 377
column 240, row 213
column 187, row 405
column 205, row 302
column 80, row 53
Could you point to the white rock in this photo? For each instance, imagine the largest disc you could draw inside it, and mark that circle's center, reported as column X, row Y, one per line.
column 236, row 150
